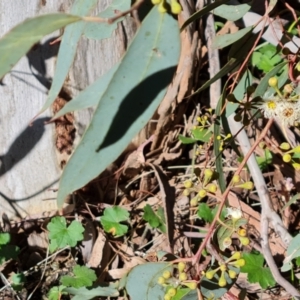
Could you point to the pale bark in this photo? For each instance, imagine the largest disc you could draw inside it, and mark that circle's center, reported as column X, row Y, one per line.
column 30, row 163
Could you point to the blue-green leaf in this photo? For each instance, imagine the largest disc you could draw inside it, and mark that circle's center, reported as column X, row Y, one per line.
column 90, row 96
column 131, row 98
column 67, row 49
column 99, row 31
column 222, row 41
column 18, row 41
column 232, row 12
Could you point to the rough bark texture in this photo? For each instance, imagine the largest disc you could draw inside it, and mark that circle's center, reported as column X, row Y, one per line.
column 31, row 157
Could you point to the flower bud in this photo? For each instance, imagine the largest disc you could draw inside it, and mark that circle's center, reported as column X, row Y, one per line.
column 208, row 174
column 172, row 292
column 222, row 280
column 182, row 276
column 181, row 266
column 186, row 192
column 238, row 263
column 190, row 284
column 188, row 184
column 223, row 267
column 211, row 273
column 285, row 146
column 242, row 232
column 212, row 188
column 273, row 82
column 286, row 157
column 244, row 240
column 235, row 256
column 161, row 280
column 194, row 202
column 155, row 2
column 166, row 274
column 202, row 193
column 167, row 297
column 227, row 242
column 248, row 185
column 162, row 7
column 232, row 274
column 175, row 7
column 295, row 150
column 236, row 178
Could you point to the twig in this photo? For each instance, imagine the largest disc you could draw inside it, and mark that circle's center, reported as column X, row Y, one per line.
column 7, row 284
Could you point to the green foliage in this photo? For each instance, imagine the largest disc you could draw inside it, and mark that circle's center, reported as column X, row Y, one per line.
column 86, row 294
column 207, row 214
column 232, row 13
column 18, row 41
column 83, row 276
column 155, row 220
column 111, row 219
column 153, row 54
column 266, row 58
column 7, row 251
column 264, row 161
column 256, row 270
column 142, row 281
column 56, row 292
column 61, row 236
column 18, row 280
column 293, row 251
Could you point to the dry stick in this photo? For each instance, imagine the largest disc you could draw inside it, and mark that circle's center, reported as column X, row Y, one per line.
column 197, row 256
column 268, row 215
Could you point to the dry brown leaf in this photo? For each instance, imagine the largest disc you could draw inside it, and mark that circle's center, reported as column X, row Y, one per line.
column 97, row 252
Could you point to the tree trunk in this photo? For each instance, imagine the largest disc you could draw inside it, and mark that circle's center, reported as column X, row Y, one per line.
column 32, row 157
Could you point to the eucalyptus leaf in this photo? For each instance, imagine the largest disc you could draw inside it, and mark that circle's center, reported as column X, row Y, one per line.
column 103, row 30
column 222, row 41
column 232, row 12
column 142, row 281
column 130, row 100
column 67, row 49
column 20, row 39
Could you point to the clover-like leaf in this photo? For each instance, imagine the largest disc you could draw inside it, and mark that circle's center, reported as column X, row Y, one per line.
column 256, row 270
column 83, row 277
column 4, row 238
column 111, row 220
column 155, row 220
column 61, row 236
column 56, row 292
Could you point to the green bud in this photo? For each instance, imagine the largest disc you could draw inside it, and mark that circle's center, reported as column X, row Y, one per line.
column 285, row 146
column 286, row 157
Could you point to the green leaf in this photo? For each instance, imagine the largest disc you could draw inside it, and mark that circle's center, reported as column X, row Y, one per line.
column 232, row 12
column 67, row 49
column 205, row 213
column 200, row 13
column 293, row 251
column 18, row 280
column 83, row 277
column 20, row 39
column 90, row 96
column 4, row 238
column 129, row 101
column 264, row 161
column 263, row 85
column 86, row 294
column 56, row 292
column 186, row 140
column 202, row 134
column 185, row 294
column 142, row 281
column 99, row 31
column 61, row 236
column 8, row 252
column 154, row 220
column 256, row 270
column 111, row 220
column 293, row 200
column 222, row 41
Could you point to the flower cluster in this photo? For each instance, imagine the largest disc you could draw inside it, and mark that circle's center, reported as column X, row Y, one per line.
column 174, row 283
column 163, row 6
column 287, row 109
column 207, row 187
column 291, row 155
column 235, row 260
